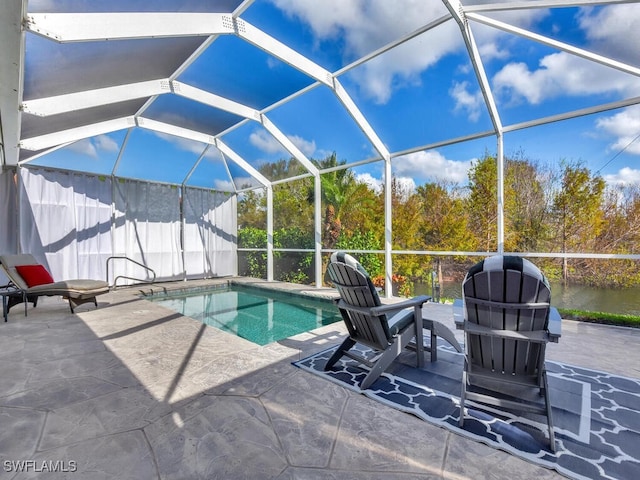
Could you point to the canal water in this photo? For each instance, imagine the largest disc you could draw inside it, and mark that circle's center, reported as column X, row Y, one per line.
column 577, row 297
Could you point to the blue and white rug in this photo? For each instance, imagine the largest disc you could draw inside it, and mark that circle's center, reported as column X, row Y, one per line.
column 596, row 414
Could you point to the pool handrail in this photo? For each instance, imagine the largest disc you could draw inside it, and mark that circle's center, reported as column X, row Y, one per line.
column 140, row 280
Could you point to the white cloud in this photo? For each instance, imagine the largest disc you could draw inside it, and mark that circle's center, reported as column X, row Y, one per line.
column 625, row 177
column 84, row 147
column 614, row 31
column 430, row 165
column 91, row 147
column 223, row 185
column 365, row 25
column 308, row 147
column 472, row 103
column 406, row 186
column 374, row 183
column 491, row 50
column 561, row 74
column 182, row 143
column 416, row 168
column 624, row 126
column 244, row 182
column 106, row 143
column 265, row 142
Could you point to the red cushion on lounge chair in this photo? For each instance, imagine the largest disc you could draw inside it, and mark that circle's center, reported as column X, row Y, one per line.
column 34, row 275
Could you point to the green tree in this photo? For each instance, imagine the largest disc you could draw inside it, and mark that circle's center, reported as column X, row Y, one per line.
column 577, row 213
column 482, row 204
column 340, row 193
column 252, row 263
column 252, row 210
column 337, row 186
column 291, row 207
column 444, row 225
column 525, row 206
column 406, row 218
column 372, row 263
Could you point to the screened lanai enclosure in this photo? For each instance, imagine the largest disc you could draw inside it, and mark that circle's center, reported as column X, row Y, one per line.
column 137, row 129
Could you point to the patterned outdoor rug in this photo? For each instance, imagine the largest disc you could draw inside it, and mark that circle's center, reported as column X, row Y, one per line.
column 596, row 414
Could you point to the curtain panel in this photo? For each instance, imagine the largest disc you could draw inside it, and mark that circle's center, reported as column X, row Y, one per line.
column 73, row 222
column 8, row 216
column 209, row 233
column 147, row 230
column 65, row 222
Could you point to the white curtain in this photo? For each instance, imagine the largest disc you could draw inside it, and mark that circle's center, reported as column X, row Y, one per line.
column 65, row 221
column 147, row 230
column 210, row 230
column 225, row 245
column 93, row 203
column 8, row 216
column 73, row 222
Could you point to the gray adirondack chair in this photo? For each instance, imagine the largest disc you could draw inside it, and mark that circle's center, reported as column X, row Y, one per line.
column 385, row 329
column 507, row 322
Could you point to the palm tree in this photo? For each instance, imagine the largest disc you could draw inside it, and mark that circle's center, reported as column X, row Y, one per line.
column 337, row 188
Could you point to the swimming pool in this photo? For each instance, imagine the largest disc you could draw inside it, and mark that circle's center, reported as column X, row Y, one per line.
column 259, row 315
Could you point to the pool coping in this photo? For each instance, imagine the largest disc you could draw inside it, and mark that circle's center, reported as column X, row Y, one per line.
column 194, row 286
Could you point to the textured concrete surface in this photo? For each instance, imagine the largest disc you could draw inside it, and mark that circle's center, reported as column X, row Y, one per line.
column 132, row 390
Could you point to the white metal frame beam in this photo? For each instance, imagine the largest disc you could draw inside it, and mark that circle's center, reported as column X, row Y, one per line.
column 84, row 27
column 555, row 44
column 272, row 46
column 537, row 4
column 213, row 100
column 226, row 151
column 174, row 130
column 169, row 129
column 458, row 13
column 265, row 42
column 12, row 40
column 74, row 134
column 288, row 145
column 360, row 119
column 242, row 163
column 69, row 102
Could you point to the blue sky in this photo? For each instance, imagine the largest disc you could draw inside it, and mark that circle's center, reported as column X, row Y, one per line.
column 421, row 93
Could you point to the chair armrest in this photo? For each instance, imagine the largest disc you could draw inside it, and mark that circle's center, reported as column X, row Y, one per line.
column 555, row 325
column 458, row 313
column 538, row 336
column 396, row 307
column 386, row 308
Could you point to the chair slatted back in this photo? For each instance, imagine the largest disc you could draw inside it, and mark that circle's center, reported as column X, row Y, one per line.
column 9, row 263
column 506, row 293
column 356, row 289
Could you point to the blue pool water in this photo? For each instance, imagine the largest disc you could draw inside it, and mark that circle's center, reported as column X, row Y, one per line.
column 258, row 315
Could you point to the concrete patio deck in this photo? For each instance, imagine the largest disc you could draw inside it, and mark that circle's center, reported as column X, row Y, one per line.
column 132, row 390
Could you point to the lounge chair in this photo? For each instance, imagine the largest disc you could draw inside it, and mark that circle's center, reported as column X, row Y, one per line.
column 367, row 319
column 507, row 320
column 30, row 280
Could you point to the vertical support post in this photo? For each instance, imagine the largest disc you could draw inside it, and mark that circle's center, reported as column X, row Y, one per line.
column 112, row 228
column 388, row 237
column 182, row 235
column 269, row 233
column 20, row 199
column 500, row 163
column 317, row 222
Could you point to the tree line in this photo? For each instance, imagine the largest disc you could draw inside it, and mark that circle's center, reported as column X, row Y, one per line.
column 560, row 208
